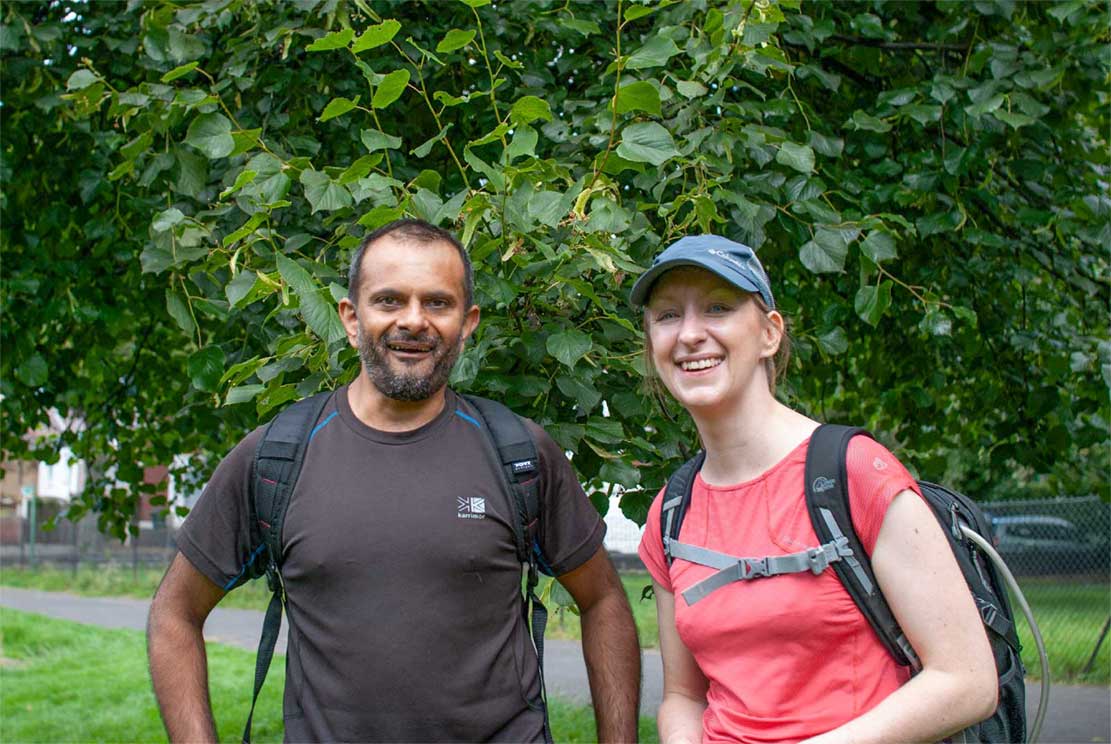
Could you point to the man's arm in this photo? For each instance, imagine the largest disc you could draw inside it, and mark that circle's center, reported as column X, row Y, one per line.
column 610, row 646
column 175, row 647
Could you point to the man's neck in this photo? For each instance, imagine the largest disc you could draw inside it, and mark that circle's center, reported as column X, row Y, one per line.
column 386, row 414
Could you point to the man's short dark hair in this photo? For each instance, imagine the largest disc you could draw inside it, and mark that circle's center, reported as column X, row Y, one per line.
column 417, row 231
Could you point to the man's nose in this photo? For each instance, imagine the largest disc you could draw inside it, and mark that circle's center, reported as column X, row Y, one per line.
column 412, row 317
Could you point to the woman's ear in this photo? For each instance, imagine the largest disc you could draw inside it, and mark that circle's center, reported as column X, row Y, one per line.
column 772, row 333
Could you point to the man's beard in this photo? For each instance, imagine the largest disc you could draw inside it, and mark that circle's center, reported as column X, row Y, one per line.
column 407, row 386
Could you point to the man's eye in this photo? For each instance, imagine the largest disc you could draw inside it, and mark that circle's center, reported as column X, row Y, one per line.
column 387, row 301
column 437, row 304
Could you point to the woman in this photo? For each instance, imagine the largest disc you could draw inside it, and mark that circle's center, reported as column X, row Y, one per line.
column 789, row 658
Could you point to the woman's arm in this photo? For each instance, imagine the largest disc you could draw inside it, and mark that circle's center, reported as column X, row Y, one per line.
column 923, row 585
column 684, row 699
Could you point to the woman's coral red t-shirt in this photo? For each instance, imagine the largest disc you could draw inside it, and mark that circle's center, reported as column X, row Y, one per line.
column 787, row 657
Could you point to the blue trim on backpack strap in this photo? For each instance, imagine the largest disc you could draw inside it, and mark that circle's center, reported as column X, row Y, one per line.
column 468, row 419
column 228, row 586
column 543, row 564
column 322, row 424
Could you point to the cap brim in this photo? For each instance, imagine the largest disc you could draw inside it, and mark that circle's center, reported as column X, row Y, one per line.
column 638, row 296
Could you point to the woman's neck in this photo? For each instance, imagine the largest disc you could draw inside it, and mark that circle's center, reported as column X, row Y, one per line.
column 745, row 442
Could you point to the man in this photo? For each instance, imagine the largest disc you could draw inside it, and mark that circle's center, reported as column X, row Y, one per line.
column 404, row 607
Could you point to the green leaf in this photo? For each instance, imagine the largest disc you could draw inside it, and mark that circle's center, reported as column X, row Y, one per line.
column 211, row 134
column 33, row 371
column 390, row 89
column 568, row 347
column 879, row 246
column 872, row 302
column 799, row 157
column 376, row 36
column 869, row 123
column 180, row 71
column 179, row 311
column 620, row 472
column 245, row 229
column 647, row 142
column 691, row 88
column 986, row 106
column 192, row 173
column 1014, row 120
column 425, row 147
column 530, row 108
column 337, row 107
column 825, row 253
column 585, row 395
column 334, row 40
column 655, row 53
column 241, row 286
column 455, row 39
column 523, row 143
column 497, row 133
column 834, row 341
column 206, row 367
column 167, row 219
column 936, row 322
column 323, row 193
column 638, row 96
column 319, row 313
column 245, row 140
column 244, row 178
column 243, row 394
column 375, row 140
column 81, row 79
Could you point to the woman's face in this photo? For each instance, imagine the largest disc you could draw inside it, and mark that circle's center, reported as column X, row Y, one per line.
column 708, row 339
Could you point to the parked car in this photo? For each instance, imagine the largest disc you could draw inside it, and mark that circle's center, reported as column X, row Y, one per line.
column 1035, row 544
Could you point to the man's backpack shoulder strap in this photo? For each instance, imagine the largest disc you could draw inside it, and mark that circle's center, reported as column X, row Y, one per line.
column 827, row 500
column 517, row 455
column 277, row 465
column 520, row 467
column 274, row 472
column 676, row 501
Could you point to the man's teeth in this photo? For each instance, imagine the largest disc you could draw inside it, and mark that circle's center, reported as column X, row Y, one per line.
column 700, row 364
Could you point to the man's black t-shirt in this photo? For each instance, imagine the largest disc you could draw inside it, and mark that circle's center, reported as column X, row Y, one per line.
column 401, row 572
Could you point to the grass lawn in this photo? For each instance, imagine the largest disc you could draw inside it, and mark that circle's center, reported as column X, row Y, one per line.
column 67, row 682
column 1070, row 613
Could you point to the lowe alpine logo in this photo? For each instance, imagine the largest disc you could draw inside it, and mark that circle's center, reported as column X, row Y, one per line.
column 823, row 484
column 472, row 507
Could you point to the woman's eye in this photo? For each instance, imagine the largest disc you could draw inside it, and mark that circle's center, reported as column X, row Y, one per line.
column 718, row 308
column 666, row 315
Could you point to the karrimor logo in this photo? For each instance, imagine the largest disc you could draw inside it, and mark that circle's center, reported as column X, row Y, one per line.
column 472, row 507
column 823, row 484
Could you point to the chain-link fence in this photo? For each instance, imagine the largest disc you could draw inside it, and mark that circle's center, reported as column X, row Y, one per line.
column 1060, row 552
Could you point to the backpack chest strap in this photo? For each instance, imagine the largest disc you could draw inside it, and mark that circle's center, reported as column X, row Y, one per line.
column 732, row 568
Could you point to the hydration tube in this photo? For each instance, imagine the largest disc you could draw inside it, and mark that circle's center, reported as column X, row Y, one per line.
column 1016, row 592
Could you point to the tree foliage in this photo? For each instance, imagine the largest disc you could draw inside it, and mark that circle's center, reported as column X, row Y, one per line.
column 184, row 184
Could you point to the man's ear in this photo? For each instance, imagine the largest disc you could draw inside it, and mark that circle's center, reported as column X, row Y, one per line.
column 349, row 316
column 470, row 321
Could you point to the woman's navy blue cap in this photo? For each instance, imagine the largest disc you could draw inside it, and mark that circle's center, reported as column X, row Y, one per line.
column 733, row 262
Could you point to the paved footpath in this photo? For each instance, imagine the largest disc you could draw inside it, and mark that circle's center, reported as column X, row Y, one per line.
column 1076, row 714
